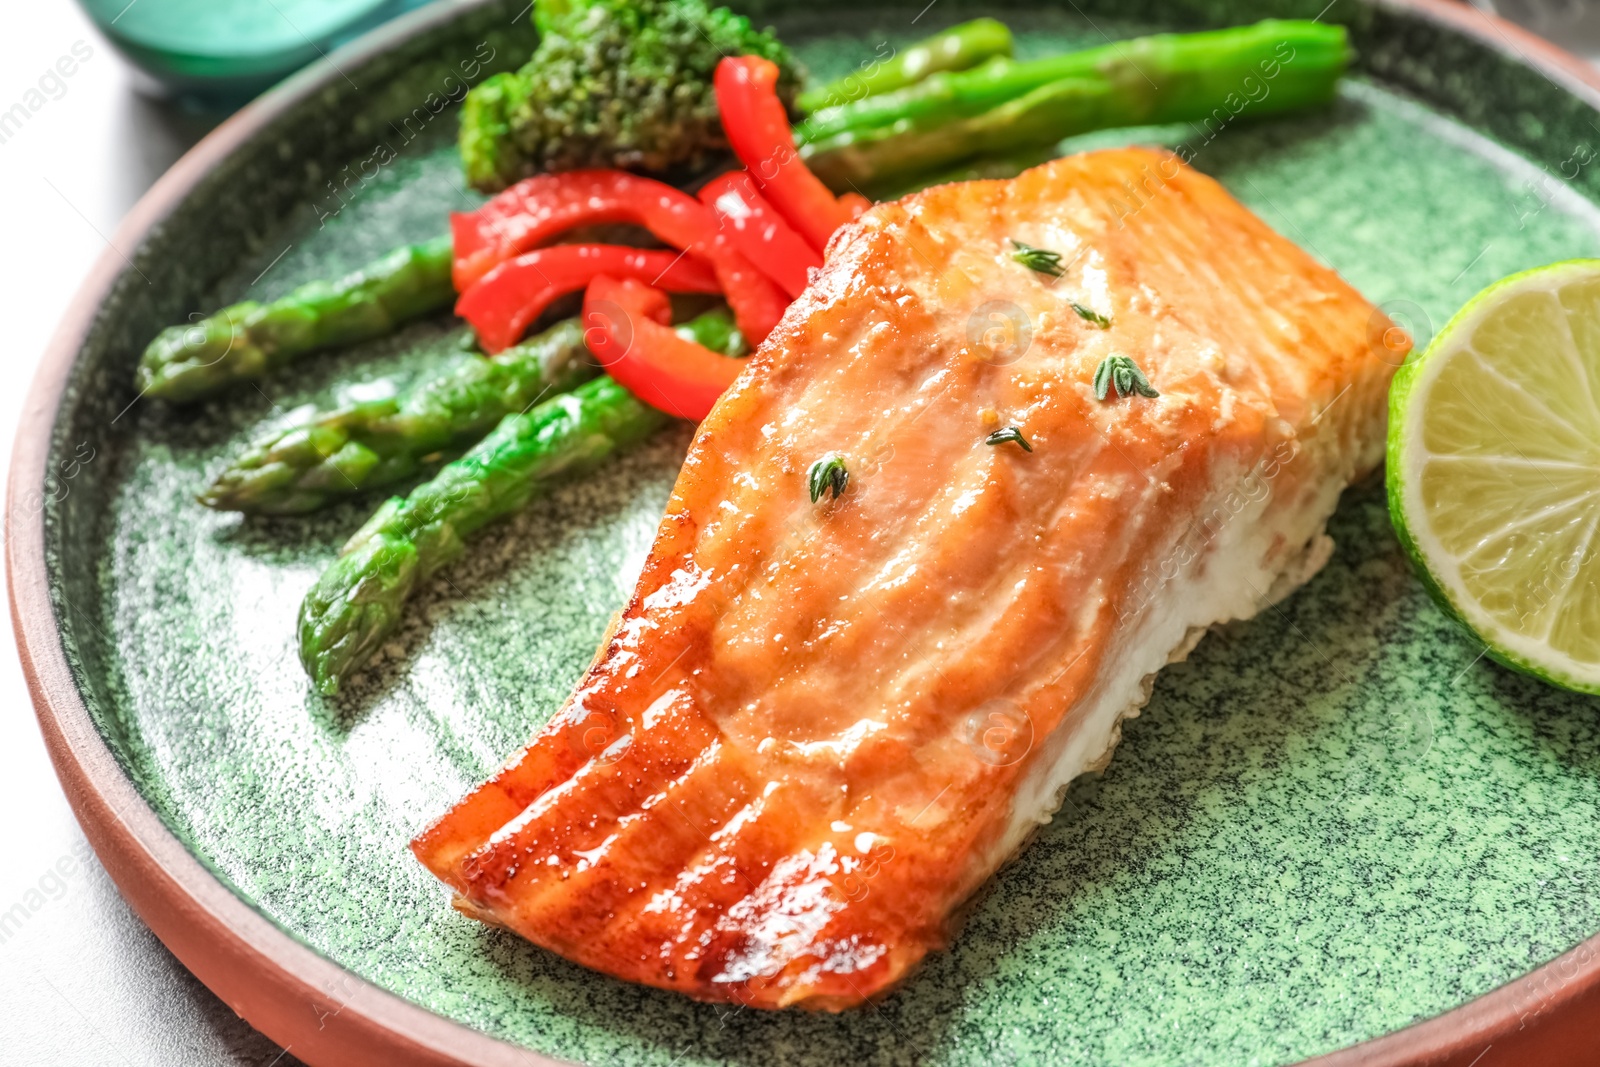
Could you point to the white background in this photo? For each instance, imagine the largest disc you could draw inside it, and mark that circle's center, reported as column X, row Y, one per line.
column 82, row 982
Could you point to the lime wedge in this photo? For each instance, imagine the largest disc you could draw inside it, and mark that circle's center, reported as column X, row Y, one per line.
column 1494, row 470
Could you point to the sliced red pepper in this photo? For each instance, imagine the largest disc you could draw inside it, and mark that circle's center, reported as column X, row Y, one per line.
column 758, row 128
column 759, row 232
column 539, row 209
column 627, row 327
column 855, row 204
column 755, row 299
column 510, row 297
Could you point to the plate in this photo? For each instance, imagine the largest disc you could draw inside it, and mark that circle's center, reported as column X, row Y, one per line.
column 1332, row 823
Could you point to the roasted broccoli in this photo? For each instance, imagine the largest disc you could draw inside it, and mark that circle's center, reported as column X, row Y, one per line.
column 612, row 83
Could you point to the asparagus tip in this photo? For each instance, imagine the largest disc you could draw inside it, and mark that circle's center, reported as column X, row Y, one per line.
column 353, row 607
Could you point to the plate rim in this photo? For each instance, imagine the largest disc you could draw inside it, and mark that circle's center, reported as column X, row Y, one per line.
column 328, row 1015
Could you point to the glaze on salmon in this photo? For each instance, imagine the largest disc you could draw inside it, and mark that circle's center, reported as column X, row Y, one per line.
column 818, row 728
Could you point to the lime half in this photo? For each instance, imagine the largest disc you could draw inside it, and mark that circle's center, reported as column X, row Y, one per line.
column 1494, row 470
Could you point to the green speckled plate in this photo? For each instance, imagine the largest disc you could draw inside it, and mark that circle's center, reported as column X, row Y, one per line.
column 1330, row 824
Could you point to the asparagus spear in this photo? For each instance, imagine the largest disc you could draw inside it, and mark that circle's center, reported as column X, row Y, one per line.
column 249, row 339
column 958, row 48
column 1043, row 116
column 357, row 603
column 1167, row 67
column 376, row 443
column 1001, row 106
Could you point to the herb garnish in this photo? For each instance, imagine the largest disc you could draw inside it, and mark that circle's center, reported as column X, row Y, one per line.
column 1121, row 373
column 1092, row 316
column 1009, row 435
column 1040, row 259
column 828, row 473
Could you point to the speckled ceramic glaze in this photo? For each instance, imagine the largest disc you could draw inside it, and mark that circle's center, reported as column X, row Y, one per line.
column 1331, row 822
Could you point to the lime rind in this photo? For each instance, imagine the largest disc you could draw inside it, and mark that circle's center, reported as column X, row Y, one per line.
column 1438, row 570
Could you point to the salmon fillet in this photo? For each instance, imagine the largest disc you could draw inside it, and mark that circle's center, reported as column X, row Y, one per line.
column 818, row 728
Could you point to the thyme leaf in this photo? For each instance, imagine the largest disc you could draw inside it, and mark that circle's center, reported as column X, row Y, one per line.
column 1092, row 316
column 828, row 474
column 1039, row 259
column 1123, row 375
column 1008, row 435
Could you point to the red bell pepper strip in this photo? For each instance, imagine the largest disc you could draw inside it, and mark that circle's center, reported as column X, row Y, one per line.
column 855, row 203
column 759, row 232
column 627, row 327
column 758, row 129
column 755, row 299
column 539, row 209
column 507, row 300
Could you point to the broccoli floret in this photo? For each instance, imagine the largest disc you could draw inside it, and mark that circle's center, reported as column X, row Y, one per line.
column 613, row 83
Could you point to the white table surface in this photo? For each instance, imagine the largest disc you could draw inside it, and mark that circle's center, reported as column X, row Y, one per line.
column 82, row 981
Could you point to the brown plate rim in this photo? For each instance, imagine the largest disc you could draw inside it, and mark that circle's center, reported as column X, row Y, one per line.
column 328, row 1016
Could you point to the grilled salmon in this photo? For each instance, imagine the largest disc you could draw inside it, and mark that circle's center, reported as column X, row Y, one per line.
column 820, row 725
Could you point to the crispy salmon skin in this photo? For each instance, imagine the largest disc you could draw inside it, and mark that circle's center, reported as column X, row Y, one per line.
column 820, row 726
